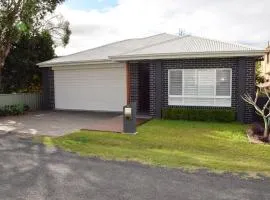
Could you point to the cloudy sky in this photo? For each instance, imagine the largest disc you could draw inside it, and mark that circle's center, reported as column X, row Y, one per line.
column 97, row 22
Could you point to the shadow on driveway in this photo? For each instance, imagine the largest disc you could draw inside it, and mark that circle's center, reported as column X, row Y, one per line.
column 33, row 171
column 53, row 123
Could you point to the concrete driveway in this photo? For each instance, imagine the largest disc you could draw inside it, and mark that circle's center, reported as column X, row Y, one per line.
column 33, row 171
column 53, row 123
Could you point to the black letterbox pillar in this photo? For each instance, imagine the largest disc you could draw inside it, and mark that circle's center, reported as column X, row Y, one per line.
column 129, row 118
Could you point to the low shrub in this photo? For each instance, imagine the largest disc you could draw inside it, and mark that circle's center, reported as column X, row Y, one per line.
column 26, row 107
column 221, row 115
column 16, row 109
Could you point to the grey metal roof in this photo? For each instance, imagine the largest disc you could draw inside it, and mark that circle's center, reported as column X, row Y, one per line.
column 103, row 52
column 191, row 46
column 159, row 46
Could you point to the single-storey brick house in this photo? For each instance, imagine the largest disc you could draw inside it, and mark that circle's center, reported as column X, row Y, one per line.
column 157, row 72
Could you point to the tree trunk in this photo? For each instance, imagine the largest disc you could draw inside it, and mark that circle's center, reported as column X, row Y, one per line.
column 265, row 133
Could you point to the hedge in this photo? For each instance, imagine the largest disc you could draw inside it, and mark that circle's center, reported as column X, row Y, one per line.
column 221, row 115
column 16, row 109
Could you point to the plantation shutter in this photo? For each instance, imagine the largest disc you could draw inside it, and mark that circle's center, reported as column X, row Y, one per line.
column 190, row 82
column 206, row 79
column 223, row 77
column 175, row 78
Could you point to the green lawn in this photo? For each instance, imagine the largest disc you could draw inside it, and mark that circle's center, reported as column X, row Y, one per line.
column 185, row 144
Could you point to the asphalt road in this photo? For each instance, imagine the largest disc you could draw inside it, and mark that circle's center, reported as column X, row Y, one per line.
column 32, row 171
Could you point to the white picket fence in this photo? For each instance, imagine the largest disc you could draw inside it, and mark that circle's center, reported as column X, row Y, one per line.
column 33, row 100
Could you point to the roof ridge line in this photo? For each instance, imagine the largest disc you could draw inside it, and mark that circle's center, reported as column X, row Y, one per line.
column 109, row 44
column 83, row 51
column 155, row 44
column 142, row 38
column 99, row 47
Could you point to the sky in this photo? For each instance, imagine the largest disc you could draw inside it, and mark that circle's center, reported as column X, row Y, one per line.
column 98, row 22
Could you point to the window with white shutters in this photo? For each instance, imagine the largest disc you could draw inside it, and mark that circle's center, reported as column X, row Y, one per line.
column 200, row 87
column 190, row 82
column 223, row 82
column 175, row 86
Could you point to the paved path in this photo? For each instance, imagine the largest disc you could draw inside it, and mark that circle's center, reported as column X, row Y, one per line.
column 32, row 171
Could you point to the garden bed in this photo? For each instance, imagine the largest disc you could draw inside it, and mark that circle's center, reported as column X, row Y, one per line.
column 255, row 134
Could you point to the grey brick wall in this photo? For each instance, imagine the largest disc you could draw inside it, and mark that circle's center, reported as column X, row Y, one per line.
column 243, row 81
column 249, row 88
column 134, row 86
column 247, row 80
column 152, row 88
column 48, row 88
column 133, row 69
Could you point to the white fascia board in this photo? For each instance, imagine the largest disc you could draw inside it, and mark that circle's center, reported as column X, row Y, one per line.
column 78, row 63
column 89, row 66
column 188, row 55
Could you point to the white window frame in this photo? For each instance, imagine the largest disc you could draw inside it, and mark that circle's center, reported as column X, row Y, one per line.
column 197, row 96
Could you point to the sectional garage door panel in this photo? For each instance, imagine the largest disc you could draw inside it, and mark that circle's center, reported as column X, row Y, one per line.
column 99, row 89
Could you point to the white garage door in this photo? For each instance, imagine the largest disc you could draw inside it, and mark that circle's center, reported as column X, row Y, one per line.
column 99, row 88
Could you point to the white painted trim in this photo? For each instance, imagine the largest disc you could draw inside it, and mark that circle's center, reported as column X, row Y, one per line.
column 180, row 55
column 78, row 63
column 89, row 66
column 212, row 105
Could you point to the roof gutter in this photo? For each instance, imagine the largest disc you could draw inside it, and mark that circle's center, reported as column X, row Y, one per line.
column 188, row 55
column 72, row 63
column 119, row 58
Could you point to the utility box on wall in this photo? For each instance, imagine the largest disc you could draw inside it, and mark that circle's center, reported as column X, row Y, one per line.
column 129, row 118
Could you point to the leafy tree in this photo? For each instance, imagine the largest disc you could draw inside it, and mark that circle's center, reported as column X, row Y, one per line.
column 19, row 17
column 20, row 73
column 258, row 73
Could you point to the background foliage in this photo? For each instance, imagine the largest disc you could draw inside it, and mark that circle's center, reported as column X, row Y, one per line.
column 258, row 71
column 28, row 27
column 20, row 73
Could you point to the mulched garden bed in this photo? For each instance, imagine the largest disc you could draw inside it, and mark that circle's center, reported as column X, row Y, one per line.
column 255, row 134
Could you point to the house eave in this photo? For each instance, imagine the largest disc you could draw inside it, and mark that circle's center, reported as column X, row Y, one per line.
column 72, row 63
column 256, row 53
column 119, row 58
